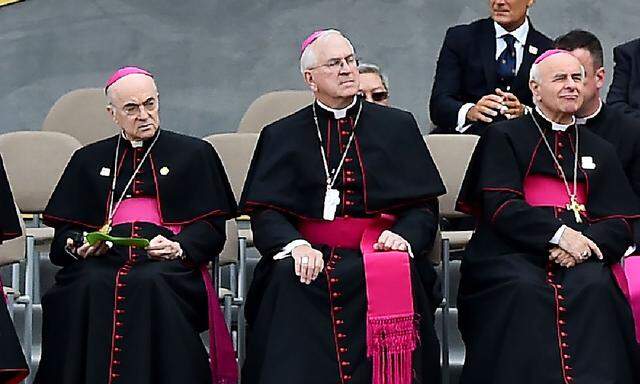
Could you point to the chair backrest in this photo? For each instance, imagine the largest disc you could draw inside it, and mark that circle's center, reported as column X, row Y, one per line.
column 13, row 251
column 229, row 254
column 81, row 113
column 271, row 107
column 452, row 154
column 34, row 162
column 235, row 151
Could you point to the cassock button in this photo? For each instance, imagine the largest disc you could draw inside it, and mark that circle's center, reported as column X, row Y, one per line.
column 561, row 144
column 560, row 157
column 348, row 159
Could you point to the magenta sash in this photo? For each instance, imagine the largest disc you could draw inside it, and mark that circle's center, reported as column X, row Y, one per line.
column 224, row 369
column 627, row 275
column 392, row 331
column 551, row 192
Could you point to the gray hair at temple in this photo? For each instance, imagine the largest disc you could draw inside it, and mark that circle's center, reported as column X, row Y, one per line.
column 309, row 58
column 372, row 68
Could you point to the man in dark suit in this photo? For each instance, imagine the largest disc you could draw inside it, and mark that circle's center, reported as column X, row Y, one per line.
column 482, row 72
column 624, row 93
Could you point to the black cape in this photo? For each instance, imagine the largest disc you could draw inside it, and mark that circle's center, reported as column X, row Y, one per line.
column 195, row 175
column 524, row 318
column 397, row 172
column 623, row 132
column 9, row 224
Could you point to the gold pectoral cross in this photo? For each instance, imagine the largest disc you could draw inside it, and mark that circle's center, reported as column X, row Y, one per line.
column 106, row 228
column 576, row 208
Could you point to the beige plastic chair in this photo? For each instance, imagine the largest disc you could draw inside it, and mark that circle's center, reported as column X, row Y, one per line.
column 13, row 252
column 451, row 154
column 34, row 161
column 82, row 114
column 235, row 151
column 271, row 107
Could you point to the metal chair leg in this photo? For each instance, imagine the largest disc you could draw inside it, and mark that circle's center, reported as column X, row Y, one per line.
column 228, row 300
column 446, row 291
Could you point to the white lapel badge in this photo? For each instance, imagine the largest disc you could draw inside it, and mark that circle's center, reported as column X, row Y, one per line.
column 105, row 172
column 533, row 50
column 587, row 162
column 164, row 171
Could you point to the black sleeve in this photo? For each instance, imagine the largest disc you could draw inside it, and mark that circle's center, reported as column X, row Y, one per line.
column 447, row 87
column 418, row 226
column 618, row 95
column 513, row 218
column 272, row 230
column 612, row 236
column 203, row 239
column 58, row 254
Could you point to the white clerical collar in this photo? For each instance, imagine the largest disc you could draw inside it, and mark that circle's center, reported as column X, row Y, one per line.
column 338, row 113
column 583, row 120
column 519, row 33
column 134, row 143
column 556, row 126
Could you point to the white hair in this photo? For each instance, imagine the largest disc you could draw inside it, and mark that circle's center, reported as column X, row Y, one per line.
column 309, row 58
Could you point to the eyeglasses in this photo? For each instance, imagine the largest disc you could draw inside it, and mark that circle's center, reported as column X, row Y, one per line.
column 375, row 96
column 134, row 109
column 336, row 64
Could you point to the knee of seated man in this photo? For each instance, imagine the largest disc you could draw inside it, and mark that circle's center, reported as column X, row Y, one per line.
column 283, row 270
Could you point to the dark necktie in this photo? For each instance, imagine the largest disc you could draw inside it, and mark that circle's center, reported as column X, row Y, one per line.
column 507, row 62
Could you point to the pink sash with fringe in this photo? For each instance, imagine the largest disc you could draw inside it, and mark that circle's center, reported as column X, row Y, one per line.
column 224, row 369
column 550, row 191
column 392, row 329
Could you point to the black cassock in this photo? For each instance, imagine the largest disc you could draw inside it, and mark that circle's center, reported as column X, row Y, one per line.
column 122, row 317
column 523, row 318
column 13, row 366
column 316, row 333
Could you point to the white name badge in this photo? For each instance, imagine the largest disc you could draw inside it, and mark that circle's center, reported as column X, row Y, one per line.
column 331, row 201
column 105, row 171
column 587, row 162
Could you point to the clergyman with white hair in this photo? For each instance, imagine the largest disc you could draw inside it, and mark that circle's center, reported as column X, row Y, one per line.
column 343, row 201
column 538, row 302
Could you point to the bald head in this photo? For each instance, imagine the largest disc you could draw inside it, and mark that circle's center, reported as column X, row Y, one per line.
column 557, row 84
column 133, row 105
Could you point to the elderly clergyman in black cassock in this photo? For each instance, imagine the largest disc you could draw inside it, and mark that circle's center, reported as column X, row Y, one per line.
column 343, row 200
column 121, row 312
column 538, row 300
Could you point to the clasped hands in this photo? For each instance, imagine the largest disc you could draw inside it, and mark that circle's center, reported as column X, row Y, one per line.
column 160, row 248
column 308, row 262
column 573, row 248
column 489, row 106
